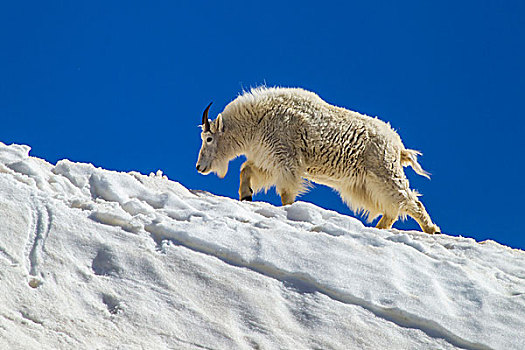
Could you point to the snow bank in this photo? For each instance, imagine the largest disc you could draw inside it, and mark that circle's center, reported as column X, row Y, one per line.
column 92, row 258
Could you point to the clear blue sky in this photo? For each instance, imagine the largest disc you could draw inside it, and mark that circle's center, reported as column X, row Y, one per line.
column 123, row 84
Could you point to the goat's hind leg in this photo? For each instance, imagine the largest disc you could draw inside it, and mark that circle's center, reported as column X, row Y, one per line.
column 386, row 222
column 398, row 194
column 417, row 210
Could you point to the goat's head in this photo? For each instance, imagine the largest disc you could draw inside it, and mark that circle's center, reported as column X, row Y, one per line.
column 213, row 156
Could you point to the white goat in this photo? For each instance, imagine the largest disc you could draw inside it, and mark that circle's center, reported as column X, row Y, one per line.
column 291, row 136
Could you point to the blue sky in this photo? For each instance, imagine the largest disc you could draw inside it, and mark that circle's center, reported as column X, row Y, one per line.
column 122, row 85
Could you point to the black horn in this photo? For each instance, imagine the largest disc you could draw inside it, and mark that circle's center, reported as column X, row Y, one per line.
column 205, row 122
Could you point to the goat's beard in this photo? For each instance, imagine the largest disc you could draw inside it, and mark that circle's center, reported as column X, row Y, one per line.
column 222, row 170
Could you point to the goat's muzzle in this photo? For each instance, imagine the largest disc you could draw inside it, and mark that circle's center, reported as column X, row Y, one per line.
column 202, row 169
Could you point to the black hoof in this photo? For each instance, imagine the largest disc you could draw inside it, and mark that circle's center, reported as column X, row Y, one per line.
column 246, row 198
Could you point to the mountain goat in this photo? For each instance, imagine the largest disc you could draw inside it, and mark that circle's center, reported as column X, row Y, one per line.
column 291, row 136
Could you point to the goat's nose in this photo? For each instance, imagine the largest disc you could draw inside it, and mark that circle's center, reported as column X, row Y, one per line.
column 198, row 167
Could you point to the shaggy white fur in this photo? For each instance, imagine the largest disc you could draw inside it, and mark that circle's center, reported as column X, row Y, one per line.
column 291, row 136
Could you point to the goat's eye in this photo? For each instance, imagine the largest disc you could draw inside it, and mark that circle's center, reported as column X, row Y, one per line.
column 209, row 139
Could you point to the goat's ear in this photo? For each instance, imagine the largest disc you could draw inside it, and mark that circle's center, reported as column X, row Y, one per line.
column 220, row 124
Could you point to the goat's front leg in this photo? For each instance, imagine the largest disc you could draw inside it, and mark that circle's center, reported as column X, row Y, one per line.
column 287, row 197
column 289, row 185
column 253, row 179
column 245, row 187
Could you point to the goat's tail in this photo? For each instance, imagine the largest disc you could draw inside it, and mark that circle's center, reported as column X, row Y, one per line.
column 409, row 157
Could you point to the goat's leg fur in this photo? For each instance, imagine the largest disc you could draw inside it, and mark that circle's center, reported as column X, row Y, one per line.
column 289, row 188
column 253, row 179
column 386, row 222
column 287, row 197
column 289, row 184
column 245, row 189
column 398, row 198
column 417, row 210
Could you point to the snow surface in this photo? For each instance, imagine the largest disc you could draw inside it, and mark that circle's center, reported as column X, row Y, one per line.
column 96, row 259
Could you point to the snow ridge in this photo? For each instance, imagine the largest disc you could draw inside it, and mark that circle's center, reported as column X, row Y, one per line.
column 123, row 258
column 304, row 282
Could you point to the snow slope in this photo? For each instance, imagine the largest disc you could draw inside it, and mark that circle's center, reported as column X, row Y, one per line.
column 95, row 259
